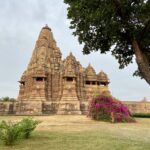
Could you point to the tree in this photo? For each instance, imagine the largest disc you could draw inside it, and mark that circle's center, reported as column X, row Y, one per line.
column 7, row 99
column 119, row 26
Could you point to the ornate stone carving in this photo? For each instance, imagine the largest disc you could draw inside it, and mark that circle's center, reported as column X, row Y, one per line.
column 103, row 78
column 53, row 85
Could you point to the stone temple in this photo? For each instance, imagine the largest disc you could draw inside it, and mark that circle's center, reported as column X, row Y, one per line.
column 51, row 85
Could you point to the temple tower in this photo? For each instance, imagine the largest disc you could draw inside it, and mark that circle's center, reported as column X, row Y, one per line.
column 69, row 102
column 103, row 82
column 90, row 82
column 51, row 85
column 41, row 75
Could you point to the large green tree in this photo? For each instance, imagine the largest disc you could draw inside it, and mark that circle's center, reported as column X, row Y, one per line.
column 119, row 26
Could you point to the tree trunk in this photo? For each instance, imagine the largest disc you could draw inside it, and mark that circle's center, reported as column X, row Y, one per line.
column 142, row 61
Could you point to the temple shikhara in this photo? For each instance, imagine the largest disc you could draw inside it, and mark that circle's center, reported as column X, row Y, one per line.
column 51, row 85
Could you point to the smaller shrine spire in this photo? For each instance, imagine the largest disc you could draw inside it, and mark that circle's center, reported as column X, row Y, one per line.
column 90, row 70
column 70, row 54
column 90, row 73
column 103, row 78
column 89, row 65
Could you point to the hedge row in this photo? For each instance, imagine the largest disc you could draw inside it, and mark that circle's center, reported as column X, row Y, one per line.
column 141, row 115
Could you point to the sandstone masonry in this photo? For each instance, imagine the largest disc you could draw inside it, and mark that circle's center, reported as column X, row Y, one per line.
column 51, row 85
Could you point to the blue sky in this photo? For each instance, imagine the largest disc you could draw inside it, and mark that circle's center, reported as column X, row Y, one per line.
column 20, row 24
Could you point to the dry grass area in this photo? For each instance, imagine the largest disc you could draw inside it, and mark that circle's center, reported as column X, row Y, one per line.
column 81, row 133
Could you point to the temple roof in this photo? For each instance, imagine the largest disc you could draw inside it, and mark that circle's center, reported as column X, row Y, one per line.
column 103, row 77
column 46, row 53
column 70, row 65
column 46, row 58
column 46, row 27
column 90, row 71
column 46, row 37
column 71, row 57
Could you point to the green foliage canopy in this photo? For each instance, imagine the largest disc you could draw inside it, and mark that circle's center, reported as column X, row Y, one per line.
column 113, row 25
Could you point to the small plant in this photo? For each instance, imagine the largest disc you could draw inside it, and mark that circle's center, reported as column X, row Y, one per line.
column 27, row 126
column 9, row 132
column 107, row 108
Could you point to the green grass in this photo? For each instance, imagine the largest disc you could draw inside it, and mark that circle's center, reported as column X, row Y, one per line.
column 81, row 133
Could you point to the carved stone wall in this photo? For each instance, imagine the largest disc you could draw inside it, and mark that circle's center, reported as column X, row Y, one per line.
column 138, row 107
column 8, row 108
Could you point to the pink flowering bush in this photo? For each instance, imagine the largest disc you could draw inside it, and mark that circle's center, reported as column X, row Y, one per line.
column 107, row 108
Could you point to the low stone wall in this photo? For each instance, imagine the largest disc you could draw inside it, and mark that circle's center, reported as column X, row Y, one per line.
column 7, row 108
column 138, row 107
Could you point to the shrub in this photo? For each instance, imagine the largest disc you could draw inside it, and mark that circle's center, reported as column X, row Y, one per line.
column 27, row 126
column 107, row 108
column 141, row 115
column 9, row 132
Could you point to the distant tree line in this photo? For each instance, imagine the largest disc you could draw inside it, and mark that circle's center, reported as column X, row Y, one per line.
column 7, row 99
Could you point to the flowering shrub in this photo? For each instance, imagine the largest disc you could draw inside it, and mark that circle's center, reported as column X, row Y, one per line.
column 107, row 108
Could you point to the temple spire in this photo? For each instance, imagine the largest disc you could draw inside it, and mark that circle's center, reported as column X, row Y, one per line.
column 46, row 37
column 45, row 52
column 46, row 27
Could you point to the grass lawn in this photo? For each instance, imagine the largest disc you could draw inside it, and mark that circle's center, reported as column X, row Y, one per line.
column 80, row 133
